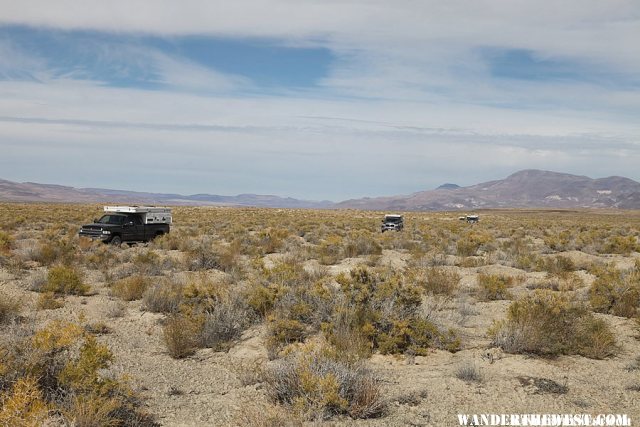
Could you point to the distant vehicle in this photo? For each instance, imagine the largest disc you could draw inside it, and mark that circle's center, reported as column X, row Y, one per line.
column 469, row 218
column 392, row 223
column 129, row 224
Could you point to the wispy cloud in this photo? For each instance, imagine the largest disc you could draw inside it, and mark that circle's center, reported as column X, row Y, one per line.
column 318, row 99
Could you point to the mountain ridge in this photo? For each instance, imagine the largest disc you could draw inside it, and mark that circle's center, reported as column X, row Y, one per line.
column 529, row 188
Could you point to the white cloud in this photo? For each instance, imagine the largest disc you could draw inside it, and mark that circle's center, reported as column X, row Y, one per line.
column 309, row 148
column 421, row 103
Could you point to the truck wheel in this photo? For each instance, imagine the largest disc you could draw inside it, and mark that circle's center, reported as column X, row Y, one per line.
column 116, row 241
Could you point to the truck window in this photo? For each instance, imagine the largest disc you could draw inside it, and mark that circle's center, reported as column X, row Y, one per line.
column 111, row 219
column 136, row 219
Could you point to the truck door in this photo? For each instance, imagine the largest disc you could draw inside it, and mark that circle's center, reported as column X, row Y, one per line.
column 139, row 227
column 133, row 229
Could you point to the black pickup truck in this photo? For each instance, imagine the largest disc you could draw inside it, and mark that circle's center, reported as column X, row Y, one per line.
column 116, row 228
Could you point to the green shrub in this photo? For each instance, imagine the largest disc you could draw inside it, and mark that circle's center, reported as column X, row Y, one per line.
column 65, row 366
column 439, row 281
column 361, row 243
column 262, row 298
column 6, row 242
column 329, row 251
column 616, row 292
column 386, row 311
column 65, row 280
column 48, row 301
column 282, row 332
column 622, row 245
column 548, row 323
column 181, row 336
column 494, row 287
column 131, row 288
column 557, row 265
column 470, row 243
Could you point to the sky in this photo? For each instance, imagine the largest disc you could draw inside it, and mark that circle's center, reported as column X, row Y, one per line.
column 318, row 100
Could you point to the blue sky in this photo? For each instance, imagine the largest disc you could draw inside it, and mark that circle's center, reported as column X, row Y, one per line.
column 316, row 100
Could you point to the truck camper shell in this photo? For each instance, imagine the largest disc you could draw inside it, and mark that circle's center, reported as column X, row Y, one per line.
column 149, row 214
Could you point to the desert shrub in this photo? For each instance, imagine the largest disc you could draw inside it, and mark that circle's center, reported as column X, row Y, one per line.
column 204, row 255
column 317, row 386
column 558, row 241
column 171, row 241
column 224, row 323
column 349, row 342
column 37, row 280
column 548, row 323
column 66, row 280
column 6, row 242
column 258, row 414
column 274, row 283
column 48, row 301
column 147, row 262
column 556, row 265
column 622, row 245
column 329, row 251
column 471, row 242
column 271, row 240
column 553, row 283
column 386, row 311
column 309, row 304
column 63, row 362
column 414, row 336
column 101, row 257
column 131, row 288
column 617, row 292
column 262, row 298
column 55, row 249
column 181, row 335
column 494, row 287
column 163, row 297
column 437, row 281
column 98, row 328
column 9, row 308
column 469, row 372
column 23, row 405
column 360, row 243
column 203, row 292
column 282, row 332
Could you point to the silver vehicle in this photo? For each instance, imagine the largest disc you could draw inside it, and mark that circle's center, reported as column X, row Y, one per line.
column 392, row 223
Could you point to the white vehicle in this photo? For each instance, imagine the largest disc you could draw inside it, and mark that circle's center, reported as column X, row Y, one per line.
column 392, row 223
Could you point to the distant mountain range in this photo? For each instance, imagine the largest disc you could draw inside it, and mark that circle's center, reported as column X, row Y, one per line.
column 34, row 192
column 524, row 189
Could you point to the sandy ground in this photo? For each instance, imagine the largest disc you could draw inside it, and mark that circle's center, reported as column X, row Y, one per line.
column 207, row 388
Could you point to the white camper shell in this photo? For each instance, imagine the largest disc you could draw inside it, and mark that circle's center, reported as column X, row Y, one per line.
column 149, row 214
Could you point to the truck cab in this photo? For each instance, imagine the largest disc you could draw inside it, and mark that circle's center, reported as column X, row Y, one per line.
column 128, row 224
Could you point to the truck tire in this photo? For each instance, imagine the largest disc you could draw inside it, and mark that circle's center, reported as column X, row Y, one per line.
column 116, row 241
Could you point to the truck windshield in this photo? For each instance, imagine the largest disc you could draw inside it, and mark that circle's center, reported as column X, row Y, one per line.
column 111, row 219
column 393, row 219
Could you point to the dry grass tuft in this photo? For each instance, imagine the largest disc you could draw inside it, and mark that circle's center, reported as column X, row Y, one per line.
column 130, row 289
column 547, row 323
column 318, row 386
column 181, row 336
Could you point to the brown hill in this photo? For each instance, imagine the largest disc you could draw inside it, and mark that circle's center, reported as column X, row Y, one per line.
column 524, row 189
column 34, row 192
